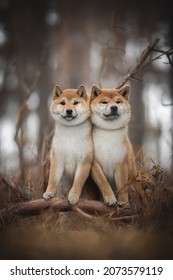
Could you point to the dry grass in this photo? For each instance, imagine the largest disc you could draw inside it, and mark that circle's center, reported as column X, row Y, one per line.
column 42, row 238
column 146, row 233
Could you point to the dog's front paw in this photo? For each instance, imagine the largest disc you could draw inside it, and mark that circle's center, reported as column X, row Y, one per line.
column 121, row 203
column 110, row 200
column 73, row 198
column 48, row 195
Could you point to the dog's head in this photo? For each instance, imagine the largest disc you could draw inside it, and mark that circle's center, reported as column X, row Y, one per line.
column 110, row 108
column 70, row 107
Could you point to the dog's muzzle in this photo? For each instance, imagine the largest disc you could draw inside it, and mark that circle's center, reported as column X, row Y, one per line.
column 69, row 112
column 69, row 115
column 113, row 112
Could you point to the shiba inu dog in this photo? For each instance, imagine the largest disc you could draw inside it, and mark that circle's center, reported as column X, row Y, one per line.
column 72, row 148
column 114, row 161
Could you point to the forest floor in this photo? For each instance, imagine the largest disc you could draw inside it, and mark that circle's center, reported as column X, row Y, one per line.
column 141, row 230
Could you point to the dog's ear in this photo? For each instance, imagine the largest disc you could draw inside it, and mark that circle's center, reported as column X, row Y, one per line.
column 82, row 91
column 125, row 92
column 95, row 91
column 56, row 92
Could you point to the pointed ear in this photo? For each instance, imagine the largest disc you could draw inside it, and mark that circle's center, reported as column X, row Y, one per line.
column 56, row 92
column 125, row 92
column 82, row 91
column 95, row 91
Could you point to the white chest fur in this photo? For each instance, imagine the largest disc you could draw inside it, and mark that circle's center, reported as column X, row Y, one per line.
column 109, row 149
column 71, row 145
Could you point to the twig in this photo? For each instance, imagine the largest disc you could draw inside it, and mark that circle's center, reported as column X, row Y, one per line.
column 138, row 66
column 12, row 190
column 168, row 54
column 125, row 217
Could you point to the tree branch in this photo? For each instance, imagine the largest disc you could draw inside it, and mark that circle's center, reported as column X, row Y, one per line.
column 137, row 67
column 34, row 207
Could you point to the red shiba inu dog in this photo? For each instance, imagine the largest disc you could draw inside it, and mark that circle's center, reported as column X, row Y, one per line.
column 114, row 161
column 72, row 148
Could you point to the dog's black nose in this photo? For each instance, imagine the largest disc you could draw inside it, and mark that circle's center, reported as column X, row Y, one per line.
column 69, row 111
column 114, row 108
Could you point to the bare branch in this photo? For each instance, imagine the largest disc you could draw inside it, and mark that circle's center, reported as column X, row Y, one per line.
column 138, row 66
column 141, row 64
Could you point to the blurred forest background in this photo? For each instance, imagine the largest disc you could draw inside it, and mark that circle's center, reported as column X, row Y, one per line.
column 48, row 42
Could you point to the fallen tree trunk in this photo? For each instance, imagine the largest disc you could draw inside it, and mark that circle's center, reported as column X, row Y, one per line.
column 35, row 207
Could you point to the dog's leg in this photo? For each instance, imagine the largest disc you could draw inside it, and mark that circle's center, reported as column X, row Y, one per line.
column 101, row 181
column 81, row 174
column 54, row 178
column 121, row 179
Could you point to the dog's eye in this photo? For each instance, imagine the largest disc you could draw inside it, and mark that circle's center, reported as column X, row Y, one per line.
column 118, row 101
column 104, row 102
column 76, row 102
column 62, row 102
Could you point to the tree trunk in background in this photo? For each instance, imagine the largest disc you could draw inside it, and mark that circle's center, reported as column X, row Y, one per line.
column 137, row 123
column 74, row 50
column 171, row 74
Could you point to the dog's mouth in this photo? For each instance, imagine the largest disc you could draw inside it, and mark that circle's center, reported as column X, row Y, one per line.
column 68, row 118
column 111, row 116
